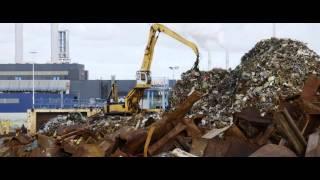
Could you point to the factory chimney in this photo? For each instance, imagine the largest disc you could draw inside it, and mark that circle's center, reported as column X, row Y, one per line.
column 209, row 60
column 54, row 43
column 19, row 43
column 63, row 46
column 227, row 59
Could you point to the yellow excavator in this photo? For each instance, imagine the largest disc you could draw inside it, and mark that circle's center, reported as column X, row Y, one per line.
column 131, row 101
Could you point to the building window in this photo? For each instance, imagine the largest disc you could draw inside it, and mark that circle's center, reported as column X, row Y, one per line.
column 56, row 78
column 9, row 101
column 17, row 78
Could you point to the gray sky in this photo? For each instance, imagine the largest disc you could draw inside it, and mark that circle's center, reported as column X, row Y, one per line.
column 117, row 48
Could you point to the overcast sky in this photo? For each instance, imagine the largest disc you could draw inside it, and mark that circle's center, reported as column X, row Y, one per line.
column 117, row 48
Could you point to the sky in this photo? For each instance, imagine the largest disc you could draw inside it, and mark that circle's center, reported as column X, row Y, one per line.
column 108, row 49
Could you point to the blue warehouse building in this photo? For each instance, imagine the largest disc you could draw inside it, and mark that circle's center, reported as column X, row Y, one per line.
column 52, row 85
column 63, row 86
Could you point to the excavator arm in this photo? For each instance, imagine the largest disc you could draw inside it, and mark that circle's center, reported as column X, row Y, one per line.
column 155, row 30
column 143, row 75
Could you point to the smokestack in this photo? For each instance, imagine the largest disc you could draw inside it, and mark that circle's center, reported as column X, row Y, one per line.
column 209, row 60
column 227, row 58
column 54, row 43
column 64, row 46
column 19, row 43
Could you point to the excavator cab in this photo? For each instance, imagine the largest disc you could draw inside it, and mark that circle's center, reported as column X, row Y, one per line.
column 143, row 79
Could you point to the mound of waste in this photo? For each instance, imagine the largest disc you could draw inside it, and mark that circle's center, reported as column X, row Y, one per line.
column 274, row 69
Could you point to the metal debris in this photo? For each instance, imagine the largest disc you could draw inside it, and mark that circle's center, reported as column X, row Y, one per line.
column 268, row 106
column 273, row 150
column 313, row 145
column 274, row 69
column 180, row 153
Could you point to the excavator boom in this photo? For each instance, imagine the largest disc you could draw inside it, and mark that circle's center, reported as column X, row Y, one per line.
column 153, row 36
column 134, row 96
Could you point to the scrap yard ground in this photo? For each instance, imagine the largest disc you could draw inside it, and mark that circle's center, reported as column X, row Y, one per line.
column 268, row 106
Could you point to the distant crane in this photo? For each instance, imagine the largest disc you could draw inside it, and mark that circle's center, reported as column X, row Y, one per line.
column 173, row 68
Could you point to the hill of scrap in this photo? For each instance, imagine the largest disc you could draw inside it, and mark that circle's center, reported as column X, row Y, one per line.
column 274, row 69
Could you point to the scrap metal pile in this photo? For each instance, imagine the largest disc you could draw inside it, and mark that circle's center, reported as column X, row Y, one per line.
column 105, row 124
column 96, row 138
column 217, row 86
column 268, row 106
column 273, row 70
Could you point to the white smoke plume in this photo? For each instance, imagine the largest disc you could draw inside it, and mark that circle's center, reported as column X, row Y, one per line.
column 208, row 36
column 205, row 35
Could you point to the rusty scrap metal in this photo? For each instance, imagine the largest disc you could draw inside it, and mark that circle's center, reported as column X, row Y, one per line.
column 253, row 115
column 48, row 152
column 125, row 132
column 68, row 129
column 89, row 150
column 313, row 145
column 294, row 127
column 134, row 142
column 46, row 142
column 310, row 89
column 69, row 147
column 180, row 153
column 289, row 129
column 148, row 140
column 264, row 137
column 251, row 121
column 172, row 134
column 315, row 152
column 108, row 146
column 236, row 132
column 198, row 146
column 310, row 118
column 75, row 140
column 192, row 128
column 184, row 141
column 309, row 107
column 37, row 152
column 72, row 131
column 230, row 146
column 4, row 151
column 161, row 127
column 282, row 142
column 273, row 150
column 214, row 132
column 23, row 139
column 119, row 153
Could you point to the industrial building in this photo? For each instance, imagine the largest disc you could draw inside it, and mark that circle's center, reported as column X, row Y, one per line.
column 61, row 84
column 43, row 72
column 52, row 79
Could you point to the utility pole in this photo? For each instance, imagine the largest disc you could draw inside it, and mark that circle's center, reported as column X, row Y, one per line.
column 61, row 99
column 33, row 89
column 173, row 70
column 33, row 85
